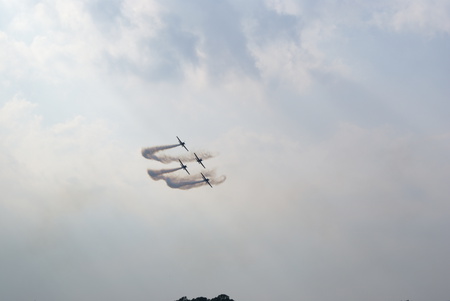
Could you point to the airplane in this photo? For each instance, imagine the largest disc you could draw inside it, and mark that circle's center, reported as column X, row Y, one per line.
column 205, row 179
column 199, row 160
column 184, row 166
column 182, row 143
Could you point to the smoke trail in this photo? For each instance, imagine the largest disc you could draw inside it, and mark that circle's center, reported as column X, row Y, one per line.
column 181, row 182
column 159, row 174
column 151, row 153
column 185, row 158
column 218, row 180
column 211, row 174
column 174, row 181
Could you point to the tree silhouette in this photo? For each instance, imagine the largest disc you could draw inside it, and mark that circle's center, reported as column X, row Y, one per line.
column 200, row 299
column 221, row 297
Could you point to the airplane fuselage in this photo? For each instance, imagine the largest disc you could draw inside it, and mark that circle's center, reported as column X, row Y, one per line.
column 184, row 166
column 205, row 179
column 199, row 160
column 182, row 143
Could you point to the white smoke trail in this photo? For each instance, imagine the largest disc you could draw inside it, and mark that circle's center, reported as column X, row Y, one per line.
column 219, row 180
column 181, row 182
column 211, row 174
column 173, row 181
column 159, row 174
column 151, row 153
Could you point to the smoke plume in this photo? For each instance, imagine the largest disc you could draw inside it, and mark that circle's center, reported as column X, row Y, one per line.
column 159, row 174
column 177, row 182
column 181, row 184
column 152, row 153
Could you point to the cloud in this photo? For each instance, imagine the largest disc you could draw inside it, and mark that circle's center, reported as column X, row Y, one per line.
column 285, row 7
column 287, row 43
column 320, row 206
column 359, row 197
column 63, row 166
column 418, row 16
column 12, row 112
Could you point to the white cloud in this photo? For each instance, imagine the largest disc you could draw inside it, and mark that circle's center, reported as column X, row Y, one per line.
column 13, row 54
column 301, row 210
column 418, row 16
column 289, row 209
column 354, row 198
column 60, row 166
column 288, row 7
column 58, row 40
column 12, row 111
column 296, row 62
column 51, row 40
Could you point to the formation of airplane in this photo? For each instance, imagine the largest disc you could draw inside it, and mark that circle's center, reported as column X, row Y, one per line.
column 182, row 143
column 184, row 166
column 199, row 160
column 205, row 179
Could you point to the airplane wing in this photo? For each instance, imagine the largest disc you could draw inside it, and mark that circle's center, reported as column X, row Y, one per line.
column 184, row 166
column 199, row 160
column 182, row 143
column 206, row 180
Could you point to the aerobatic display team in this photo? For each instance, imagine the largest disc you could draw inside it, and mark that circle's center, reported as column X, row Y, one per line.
column 174, row 180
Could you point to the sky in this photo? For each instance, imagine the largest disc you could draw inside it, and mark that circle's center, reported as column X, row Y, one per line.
column 324, row 125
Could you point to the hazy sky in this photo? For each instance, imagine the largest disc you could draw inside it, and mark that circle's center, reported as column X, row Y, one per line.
column 330, row 120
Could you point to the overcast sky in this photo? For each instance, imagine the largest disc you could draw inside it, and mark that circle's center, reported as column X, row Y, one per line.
column 329, row 119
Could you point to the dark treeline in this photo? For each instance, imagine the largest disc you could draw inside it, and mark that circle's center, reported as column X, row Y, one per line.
column 218, row 298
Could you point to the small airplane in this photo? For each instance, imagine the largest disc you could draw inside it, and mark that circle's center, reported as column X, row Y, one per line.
column 184, row 166
column 205, row 179
column 199, row 160
column 182, row 143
